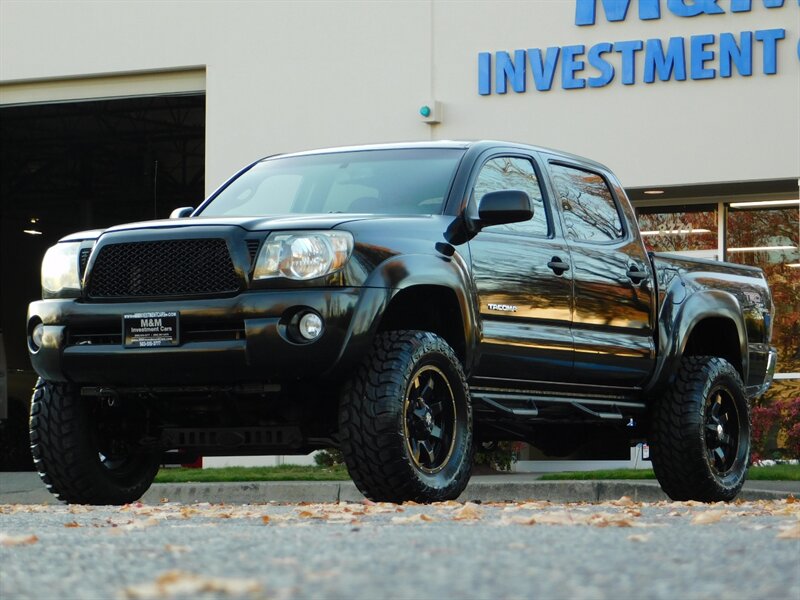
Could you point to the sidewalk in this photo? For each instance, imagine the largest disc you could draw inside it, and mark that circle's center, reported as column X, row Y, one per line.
column 27, row 488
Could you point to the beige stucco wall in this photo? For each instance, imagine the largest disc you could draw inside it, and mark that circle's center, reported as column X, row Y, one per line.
column 294, row 75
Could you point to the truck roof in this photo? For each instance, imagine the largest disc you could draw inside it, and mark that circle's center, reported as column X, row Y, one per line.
column 455, row 144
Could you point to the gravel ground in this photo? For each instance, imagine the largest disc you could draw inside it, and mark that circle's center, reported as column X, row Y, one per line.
column 618, row 550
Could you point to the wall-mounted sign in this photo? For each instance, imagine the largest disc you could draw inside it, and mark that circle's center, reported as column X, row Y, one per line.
column 705, row 56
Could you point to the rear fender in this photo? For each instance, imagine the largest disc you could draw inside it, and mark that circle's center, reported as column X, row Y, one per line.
column 678, row 319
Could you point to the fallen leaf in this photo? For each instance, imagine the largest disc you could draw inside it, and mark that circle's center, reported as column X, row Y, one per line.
column 792, row 533
column 791, row 499
column 624, row 501
column 72, row 524
column 468, row 512
column 183, row 583
column 707, row 517
column 139, row 524
column 17, row 540
column 265, row 519
column 418, row 518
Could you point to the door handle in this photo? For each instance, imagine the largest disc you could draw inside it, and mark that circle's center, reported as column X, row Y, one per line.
column 635, row 275
column 557, row 265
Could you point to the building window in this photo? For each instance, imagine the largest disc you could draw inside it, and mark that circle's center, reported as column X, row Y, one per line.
column 689, row 230
column 768, row 236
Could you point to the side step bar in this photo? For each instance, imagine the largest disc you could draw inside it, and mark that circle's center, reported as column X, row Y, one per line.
column 523, row 405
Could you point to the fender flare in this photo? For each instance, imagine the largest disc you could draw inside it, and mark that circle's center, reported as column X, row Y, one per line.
column 677, row 321
column 400, row 273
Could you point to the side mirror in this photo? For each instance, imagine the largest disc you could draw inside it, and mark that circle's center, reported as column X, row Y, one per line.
column 182, row 212
column 504, row 206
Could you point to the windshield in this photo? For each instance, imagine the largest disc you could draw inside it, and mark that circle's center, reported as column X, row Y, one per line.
column 407, row 181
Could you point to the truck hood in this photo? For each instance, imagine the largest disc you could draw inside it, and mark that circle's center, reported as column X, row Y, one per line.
column 277, row 223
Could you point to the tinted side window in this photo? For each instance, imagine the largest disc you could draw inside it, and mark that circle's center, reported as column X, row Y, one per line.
column 509, row 173
column 590, row 213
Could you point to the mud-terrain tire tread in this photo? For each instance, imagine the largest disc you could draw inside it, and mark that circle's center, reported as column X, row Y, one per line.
column 369, row 413
column 678, row 450
column 63, row 454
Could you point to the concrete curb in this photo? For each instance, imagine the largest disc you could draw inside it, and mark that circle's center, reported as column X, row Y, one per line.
column 27, row 488
column 484, row 491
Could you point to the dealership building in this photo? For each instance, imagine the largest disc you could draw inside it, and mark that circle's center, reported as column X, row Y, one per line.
column 121, row 111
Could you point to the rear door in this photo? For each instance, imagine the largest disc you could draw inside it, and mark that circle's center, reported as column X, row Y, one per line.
column 613, row 318
column 525, row 300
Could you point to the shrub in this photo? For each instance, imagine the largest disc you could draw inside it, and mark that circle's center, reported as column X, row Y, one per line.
column 329, row 457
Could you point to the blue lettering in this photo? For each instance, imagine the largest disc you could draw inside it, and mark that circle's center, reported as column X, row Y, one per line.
column 769, row 39
column 506, row 69
column 667, row 64
column 698, row 7
column 484, row 73
column 731, row 52
column 598, row 62
column 747, row 5
column 700, row 56
column 628, row 51
column 616, row 10
column 570, row 66
column 543, row 70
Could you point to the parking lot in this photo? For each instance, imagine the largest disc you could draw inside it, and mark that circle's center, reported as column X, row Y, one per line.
column 614, row 549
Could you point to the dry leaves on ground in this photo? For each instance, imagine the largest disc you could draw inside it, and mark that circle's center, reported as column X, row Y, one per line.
column 173, row 583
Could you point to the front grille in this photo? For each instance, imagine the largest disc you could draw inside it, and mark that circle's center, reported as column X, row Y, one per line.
column 163, row 268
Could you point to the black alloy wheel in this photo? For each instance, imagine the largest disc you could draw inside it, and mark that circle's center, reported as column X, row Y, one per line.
column 430, row 419
column 722, row 431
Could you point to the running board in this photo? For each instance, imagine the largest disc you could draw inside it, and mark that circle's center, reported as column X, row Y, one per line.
column 523, row 405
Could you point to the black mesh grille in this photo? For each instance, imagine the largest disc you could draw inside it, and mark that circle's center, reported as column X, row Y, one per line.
column 163, row 268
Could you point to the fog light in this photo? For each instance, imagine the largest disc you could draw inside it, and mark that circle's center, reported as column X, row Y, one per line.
column 36, row 336
column 310, row 326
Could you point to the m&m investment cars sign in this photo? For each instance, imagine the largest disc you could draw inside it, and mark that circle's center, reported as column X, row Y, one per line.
column 705, row 56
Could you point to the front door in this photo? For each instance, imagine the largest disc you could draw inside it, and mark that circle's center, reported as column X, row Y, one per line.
column 525, row 299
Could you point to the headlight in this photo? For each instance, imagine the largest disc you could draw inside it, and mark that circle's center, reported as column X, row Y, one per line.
column 304, row 255
column 60, row 270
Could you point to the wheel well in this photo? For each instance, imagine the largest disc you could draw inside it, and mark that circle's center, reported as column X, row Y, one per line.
column 715, row 337
column 427, row 308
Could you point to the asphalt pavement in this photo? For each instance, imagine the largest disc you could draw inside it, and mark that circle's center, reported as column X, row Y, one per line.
column 27, row 488
column 577, row 551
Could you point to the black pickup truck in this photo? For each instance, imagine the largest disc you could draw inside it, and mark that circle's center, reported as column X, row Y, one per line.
column 402, row 303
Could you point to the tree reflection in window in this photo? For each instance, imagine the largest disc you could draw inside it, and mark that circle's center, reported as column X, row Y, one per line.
column 510, row 173
column 686, row 229
column 590, row 213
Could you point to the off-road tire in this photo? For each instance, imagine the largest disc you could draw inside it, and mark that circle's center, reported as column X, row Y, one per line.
column 65, row 452
column 699, row 451
column 376, row 408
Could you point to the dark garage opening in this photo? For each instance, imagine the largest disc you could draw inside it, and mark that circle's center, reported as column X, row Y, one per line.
column 71, row 166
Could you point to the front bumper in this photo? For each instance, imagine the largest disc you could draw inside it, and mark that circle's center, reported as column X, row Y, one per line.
column 772, row 361
column 244, row 338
